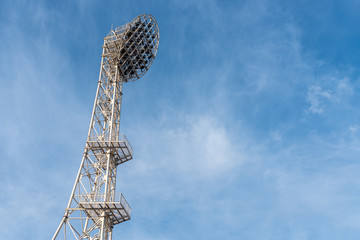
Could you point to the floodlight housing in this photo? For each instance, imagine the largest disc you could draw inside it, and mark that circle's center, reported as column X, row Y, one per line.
column 132, row 47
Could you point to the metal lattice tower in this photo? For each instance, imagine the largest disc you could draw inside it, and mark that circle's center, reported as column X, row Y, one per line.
column 94, row 206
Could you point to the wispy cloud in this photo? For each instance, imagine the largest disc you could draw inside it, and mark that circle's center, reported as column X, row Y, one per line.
column 318, row 98
column 227, row 132
column 315, row 96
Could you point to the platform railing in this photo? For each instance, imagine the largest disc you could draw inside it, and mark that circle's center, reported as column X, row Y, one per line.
column 101, row 198
column 124, row 138
column 125, row 204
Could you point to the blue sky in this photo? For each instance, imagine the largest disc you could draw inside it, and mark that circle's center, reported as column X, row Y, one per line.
column 245, row 127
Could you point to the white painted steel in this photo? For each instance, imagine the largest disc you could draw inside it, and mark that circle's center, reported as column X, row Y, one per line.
column 94, row 208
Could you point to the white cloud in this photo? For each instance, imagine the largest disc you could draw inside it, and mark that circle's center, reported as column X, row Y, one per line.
column 337, row 93
column 202, row 145
column 354, row 128
column 326, row 194
column 317, row 98
column 276, row 137
column 198, row 146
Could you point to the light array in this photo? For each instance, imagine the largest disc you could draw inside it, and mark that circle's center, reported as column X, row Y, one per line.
column 139, row 47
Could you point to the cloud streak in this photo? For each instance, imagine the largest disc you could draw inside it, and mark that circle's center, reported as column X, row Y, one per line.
column 239, row 131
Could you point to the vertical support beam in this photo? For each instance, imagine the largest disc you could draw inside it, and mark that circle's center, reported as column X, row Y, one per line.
column 102, row 230
column 110, row 232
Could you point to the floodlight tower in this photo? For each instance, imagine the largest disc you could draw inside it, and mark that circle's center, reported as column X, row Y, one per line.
column 94, row 206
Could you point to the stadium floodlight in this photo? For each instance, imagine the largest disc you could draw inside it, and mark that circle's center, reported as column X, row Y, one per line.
column 94, row 207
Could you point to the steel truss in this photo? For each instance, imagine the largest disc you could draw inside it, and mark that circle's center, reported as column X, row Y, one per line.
column 94, row 207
